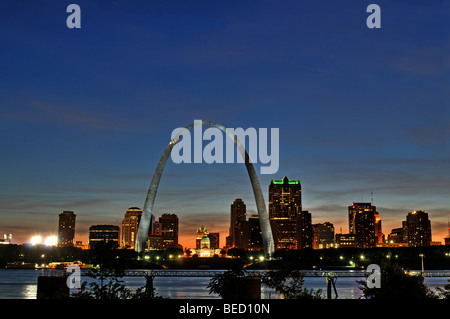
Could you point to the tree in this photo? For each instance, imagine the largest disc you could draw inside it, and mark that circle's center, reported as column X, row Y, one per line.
column 444, row 293
column 226, row 284
column 288, row 282
column 396, row 284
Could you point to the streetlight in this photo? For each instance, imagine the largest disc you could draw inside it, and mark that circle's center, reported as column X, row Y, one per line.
column 421, row 255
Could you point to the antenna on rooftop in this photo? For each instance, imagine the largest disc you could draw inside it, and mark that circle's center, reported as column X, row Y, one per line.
column 371, row 198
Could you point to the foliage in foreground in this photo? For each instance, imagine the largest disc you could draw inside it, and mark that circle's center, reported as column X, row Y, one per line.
column 396, row 284
column 286, row 281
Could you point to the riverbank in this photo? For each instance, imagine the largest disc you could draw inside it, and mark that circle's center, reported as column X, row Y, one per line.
column 432, row 258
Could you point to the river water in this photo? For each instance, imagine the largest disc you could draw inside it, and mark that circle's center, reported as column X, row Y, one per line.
column 22, row 284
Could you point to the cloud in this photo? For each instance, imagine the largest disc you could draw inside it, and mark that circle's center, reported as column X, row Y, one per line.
column 46, row 113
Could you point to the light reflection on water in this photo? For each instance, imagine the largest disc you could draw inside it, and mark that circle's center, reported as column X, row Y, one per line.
column 22, row 284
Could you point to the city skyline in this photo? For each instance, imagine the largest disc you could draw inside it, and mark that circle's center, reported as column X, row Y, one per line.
column 86, row 113
column 192, row 240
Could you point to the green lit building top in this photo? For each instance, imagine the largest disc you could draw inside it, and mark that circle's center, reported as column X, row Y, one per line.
column 285, row 207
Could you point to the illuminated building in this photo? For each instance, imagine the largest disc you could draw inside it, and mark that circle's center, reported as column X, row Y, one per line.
column 156, row 228
column 81, row 245
column 205, row 247
column 242, row 235
column 379, row 236
column 238, row 214
column 285, row 207
column 214, row 240
column 200, row 233
column 364, row 225
column 364, row 221
column 102, row 234
column 66, row 229
column 7, row 239
column 359, row 208
column 154, row 242
column 169, row 230
column 304, row 230
column 130, row 226
column 206, row 243
column 255, row 233
column 397, row 236
column 418, row 229
column 346, row 240
column 323, row 235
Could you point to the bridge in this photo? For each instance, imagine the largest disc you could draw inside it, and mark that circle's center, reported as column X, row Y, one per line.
column 261, row 273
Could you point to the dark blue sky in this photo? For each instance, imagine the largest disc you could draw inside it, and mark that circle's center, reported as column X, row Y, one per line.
column 85, row 114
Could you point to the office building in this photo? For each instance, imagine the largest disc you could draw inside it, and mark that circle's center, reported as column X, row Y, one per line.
column 285, row 207
column 66, row 229
column 379, row 236
column 346, row 240
column 364, row 226
column 418, row 229
column 169, row 230
column 323, row 235
column 364, row 221
column 304, row 231
column 255, row 242
column 238, row 212
column 154, row 242
column 397, row 236
column 102, row 234
column 359, row 208
column 130, row 227
column 214, row 239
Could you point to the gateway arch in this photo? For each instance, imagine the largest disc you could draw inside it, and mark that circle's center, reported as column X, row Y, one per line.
column 144, row 223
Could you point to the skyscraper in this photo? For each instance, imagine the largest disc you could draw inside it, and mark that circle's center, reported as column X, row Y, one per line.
column 66, row 229
column 242, row 234
column 364, row 225
column 354, row 210
column 418, row 229
column 304, row 230
column 255, row 233
column 238, row 214
column 130, row 226
column 364, row 221
column 379, row 236
column 169, row 230
column 285, row 206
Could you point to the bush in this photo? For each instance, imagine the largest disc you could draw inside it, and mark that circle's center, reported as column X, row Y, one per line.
column 396, row 284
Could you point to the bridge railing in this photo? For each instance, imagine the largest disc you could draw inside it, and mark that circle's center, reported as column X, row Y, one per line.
column 262, row 273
